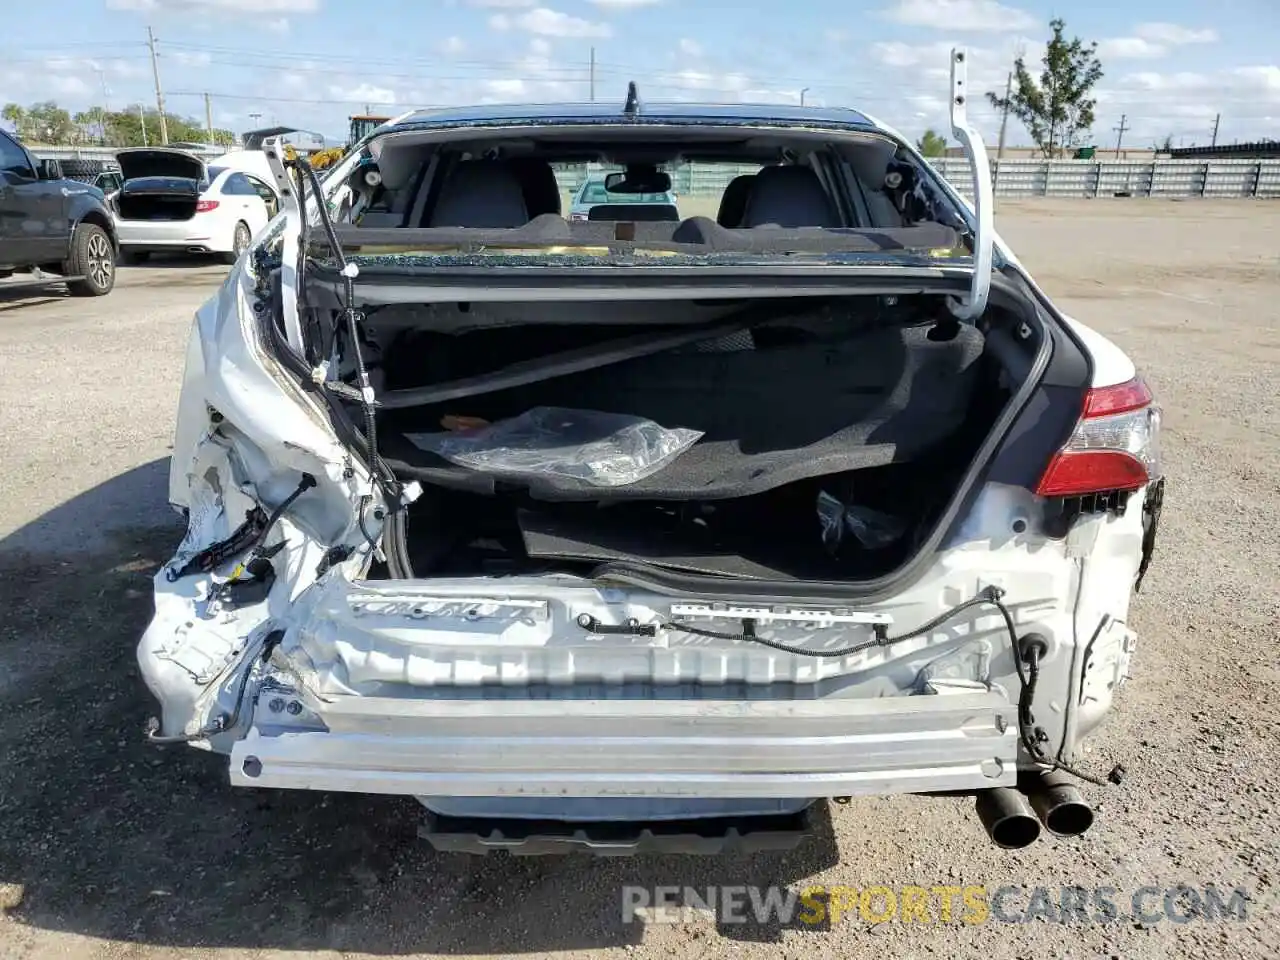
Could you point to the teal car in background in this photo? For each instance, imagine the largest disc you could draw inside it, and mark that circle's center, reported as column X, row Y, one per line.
column 593, row 193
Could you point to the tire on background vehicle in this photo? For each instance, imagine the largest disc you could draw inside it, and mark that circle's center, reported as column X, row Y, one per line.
column 93, row 259
column 239, row 242
column 83, row 170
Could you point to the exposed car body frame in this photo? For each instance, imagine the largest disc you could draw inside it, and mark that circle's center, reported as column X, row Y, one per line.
column 327, row 653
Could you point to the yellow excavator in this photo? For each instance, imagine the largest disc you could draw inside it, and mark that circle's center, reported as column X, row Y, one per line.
column 360, row 126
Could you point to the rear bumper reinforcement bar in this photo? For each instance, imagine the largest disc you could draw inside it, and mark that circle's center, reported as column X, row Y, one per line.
column 640, row 748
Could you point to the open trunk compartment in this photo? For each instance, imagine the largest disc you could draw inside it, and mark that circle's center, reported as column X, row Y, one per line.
column 832, row 438
column 158, row 198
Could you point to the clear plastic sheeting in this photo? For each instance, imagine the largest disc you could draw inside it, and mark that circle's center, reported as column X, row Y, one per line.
column 601, row 449
column 872, row 529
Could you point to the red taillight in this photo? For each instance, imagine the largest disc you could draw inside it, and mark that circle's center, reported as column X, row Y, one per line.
column 204, row 206
column 1115, row 446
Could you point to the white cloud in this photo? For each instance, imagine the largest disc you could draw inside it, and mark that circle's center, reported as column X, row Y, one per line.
column 625, row 4
column 1153, row 40
column 1130, row 48
column 550, row 23
column 986, row 16
column 231, row 6
column 702, row 80
column 513, row 87
column 770, row 95
column 928, row 107
column 897, row 54
column 452, row 46
column 1173, row 34
column 67, row 86
column 1186, row 103
column 188, row 58
column 362, row 93
column 540, row 47
column 1249, row 84
column 116, row 68
column 501, row 4
column 691, row 48
column 278, row 26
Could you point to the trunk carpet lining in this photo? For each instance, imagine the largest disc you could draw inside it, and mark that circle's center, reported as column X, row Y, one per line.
column 770, row 416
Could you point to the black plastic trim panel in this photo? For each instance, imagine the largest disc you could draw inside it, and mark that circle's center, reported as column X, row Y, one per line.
column 708, row 836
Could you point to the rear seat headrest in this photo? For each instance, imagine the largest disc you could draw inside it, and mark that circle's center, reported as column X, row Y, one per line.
column 789, row 197
column 481, row 193
column 634, row 211
column 733, row 202
column 541, row 188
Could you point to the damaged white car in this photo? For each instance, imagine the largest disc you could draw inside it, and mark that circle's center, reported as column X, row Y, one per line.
column 654, row 529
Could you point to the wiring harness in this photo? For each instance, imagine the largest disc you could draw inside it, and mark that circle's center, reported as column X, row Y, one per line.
column 1027, row 652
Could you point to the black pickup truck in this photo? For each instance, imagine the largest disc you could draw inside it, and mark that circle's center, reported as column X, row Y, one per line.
column 56, row 229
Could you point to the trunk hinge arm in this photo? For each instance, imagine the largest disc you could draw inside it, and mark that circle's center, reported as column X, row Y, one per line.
column 293, row 213
column 983, row 226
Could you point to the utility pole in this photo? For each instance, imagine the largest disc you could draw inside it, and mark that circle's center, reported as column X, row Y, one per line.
column 106, row 104
column 1216, row 121
column 1120, row 132
column 155, row 72
column 802, row 93
column 142, row 119
column 208, row 118
column 1004, row 114
column 592, row 80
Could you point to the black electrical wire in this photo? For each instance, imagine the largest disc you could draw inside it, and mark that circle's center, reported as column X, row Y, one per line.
column 305, row 484
column 1034, row 735
column 393, row 539
column 991, row 595
column 1030, row 735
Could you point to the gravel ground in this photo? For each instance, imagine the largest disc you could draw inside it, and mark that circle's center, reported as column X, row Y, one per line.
column 109, row 848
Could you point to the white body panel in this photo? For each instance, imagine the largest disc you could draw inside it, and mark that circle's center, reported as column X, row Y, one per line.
column 491, row 687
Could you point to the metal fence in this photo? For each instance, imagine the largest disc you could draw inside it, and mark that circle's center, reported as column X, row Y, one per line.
column 1124, row 178
column 1012, row 178
column 1030, row 178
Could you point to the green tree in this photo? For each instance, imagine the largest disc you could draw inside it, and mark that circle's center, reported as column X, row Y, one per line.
column 932, row 144
column 50, row 124
column 1058, row 108
column 92, row 124
column 16, row 114
column 46, row 122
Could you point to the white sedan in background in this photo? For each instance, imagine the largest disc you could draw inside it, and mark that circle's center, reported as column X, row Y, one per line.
column 174, row 201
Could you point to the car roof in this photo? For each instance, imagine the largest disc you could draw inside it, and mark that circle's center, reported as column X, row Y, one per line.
column 690, row 114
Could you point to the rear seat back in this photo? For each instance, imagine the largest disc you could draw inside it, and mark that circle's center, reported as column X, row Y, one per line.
column 481, row 193
column 789, row 197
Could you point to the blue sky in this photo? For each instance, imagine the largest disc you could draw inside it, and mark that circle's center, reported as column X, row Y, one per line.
column 1171, row 65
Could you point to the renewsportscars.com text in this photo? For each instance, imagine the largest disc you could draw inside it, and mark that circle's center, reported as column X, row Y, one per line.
column 971, row 904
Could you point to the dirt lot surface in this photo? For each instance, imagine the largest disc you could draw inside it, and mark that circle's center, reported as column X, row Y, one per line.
column 110, row 848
